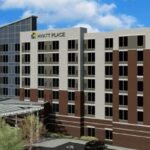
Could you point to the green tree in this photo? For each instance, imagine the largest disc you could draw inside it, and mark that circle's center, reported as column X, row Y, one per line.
column 32, row 129
column 10, row 138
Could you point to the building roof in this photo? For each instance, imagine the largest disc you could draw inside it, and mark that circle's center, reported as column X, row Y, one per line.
column 10, row 107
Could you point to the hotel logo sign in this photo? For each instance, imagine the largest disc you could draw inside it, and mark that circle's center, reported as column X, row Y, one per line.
column 35, row 35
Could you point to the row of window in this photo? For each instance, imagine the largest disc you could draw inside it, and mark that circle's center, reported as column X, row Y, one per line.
column 4, row 91
column 123, row 85
column 123, row 41
column 123, row 56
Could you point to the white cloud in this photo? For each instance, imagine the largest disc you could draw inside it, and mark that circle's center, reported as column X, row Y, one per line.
column 92, row 13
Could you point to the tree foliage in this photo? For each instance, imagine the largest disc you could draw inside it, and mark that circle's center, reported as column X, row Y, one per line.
column 31, row 129
column 10, row 138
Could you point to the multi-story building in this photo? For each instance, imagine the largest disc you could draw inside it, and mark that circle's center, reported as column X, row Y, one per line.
column 10, row 55
column 98, row 84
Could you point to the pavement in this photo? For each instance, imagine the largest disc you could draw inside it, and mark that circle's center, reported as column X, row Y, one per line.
column 64, row 144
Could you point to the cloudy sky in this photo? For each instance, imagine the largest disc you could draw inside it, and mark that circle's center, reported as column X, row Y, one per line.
column 96, row 15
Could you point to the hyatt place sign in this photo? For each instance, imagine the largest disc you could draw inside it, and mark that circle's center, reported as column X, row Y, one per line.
column 35, row 35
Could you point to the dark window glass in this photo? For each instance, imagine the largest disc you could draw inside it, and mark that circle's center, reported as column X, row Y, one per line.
column 140, row 116
column 140, row 86
column 108, row 134
column 123, row 114
column 108, row 98
column 123, row 70
column 123, row 85
column 109, row 43
column 108, row 111
column 140, row 40
column 91, row 132
column 140, row 101
column 108, row 57
column 140, row 70
column 108, row 70
column 139, row 55
column 123, row 100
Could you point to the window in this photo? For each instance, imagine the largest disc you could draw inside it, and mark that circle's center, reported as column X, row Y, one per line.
column 5, row 58
column 26, row 46
column 91, row 97
column 123, row 56
column 71, row 109
column 5, row 69
column 17, row 80
column 56, row 95
column 5, row 80
column 108, row 70
column 72, row 44
column 26, row 58
column 91, row 131
column 55, row 70
column 140, row 70
column 40, row 57
column 108, row 84
column 55, row 57
column 27, row 93
column 17, row 69
column 108, row 111
column 91, row 70
column 40, row 94
column 123, row 70
column 140, row 40
column 17, row 92
column 55, row 45
column 17, row 58
column 5, row 47
column 5, row 91
column 91, row 110
column 140, row 101
column 140, row 86
column 71, row 96
column 40, row 82
column 17, row 47
column 139, row 55
column 27, row 81
column 72, row 70
column 109, row 43
column 55, row 108
column 71, row 83
column 40, row 69
column 27, row 69
column 123, row 85
column 123, row 114
column 72, row 57
column 108, row 57
column 123, row 100
column 40, row 45
column 123, row 41
column 91, row 83
column 140, row 116
column 91, row 57
column 55, row 83
column 108, row 98
column 91, row 44
column 108, row 134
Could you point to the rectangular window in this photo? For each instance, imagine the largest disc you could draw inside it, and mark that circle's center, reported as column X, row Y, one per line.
column 55, row 70
column 108, row 134
column 41, row 45
column 17, row 69
column 140, row 86
column 40, row 94
column 108, row 111
column 108, row 57
column 40, row 58
column 55, row 45
column 27, row 69
column 140, row 70
column 91, row 57
column 140, row 101
column 123, row 41
column 72, row 83
column 27, row 93
column 123, row 56
column 140, row 40
column 91, row 44
column 91, row 70
column 140, row 55
column 5, row 91
column 71, row 96
column 109, row 43
column 91, row 132
column 17, row 80
column 72, row 70
column 26, row 58
column 5, row 80
column 91, row 96
column 123, row 70
column 108, row 70
column 108, row 98
column 56, row 95
column 5, row 69
column 40, row 82
column 123, row 100
column 40, row 70
column 71, row 109
column 108, row 84
column 5, row 58
column 55, row 57
column 72, row 44
column 17, row 47
column 140, row 116
column 17, row 58
column 27, row 81
column 55, row 108
column 91, row 110
column 17, row 92
column 91, row 83
column 72, row 57
column 123, row 114
column 123, row 85
column 55, row 83
column 26, row 46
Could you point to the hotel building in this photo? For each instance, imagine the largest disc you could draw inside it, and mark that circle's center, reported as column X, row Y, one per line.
column 96, row 84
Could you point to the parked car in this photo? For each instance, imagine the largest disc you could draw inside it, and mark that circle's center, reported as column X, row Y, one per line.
column 95, row 145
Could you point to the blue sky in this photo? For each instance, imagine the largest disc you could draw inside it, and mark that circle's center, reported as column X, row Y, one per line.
column 96, row 15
